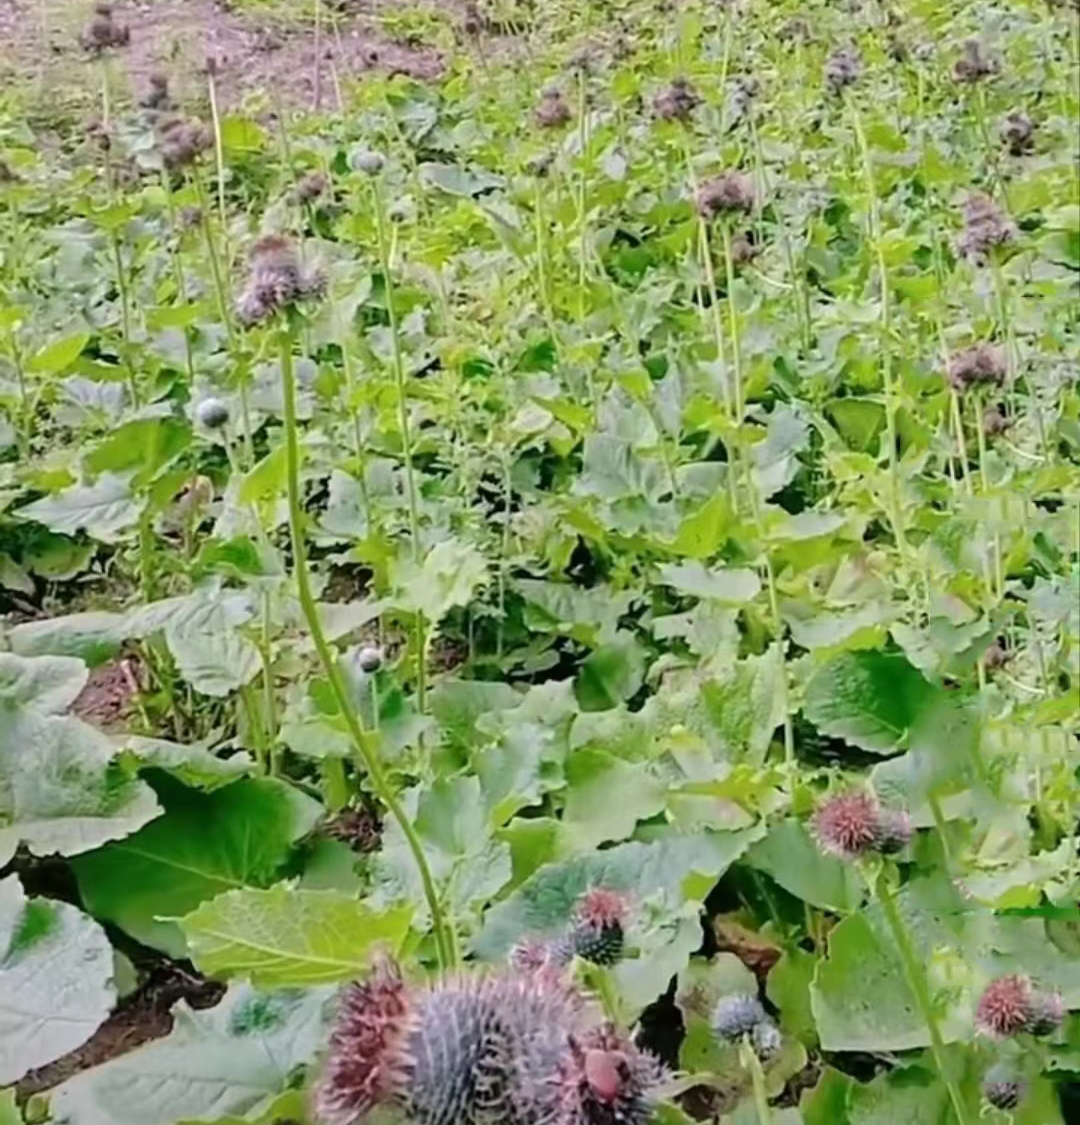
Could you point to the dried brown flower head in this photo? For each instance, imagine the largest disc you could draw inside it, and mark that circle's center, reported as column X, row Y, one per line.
column 1017, row 133
column 995, row 423
column 552, row 112
column 276, row 280
column 729, row 194
column 677, row 102
column 842, row 69
column 979, row 365
column 975, row 63
column 309, row 187
column 103, row 33
column 986, row 227
column 183, row 142
column 157, row 96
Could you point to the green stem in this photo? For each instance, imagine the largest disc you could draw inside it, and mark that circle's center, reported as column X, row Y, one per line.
column 406, row 440
column 913, row 969
column 757, row 1080
column 365, row 749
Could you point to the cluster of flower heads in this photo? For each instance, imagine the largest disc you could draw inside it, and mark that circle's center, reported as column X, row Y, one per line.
column 182, row 142
column 676, row 102
column 103, row 33
column 986, row 228
column 842, row 69
column 521, row 1049
column 975, row 63
column 552, row 112
column 731, row 193
column 1012, row 1004
column 276, row 280
column 854, row 823
column 742, row 1015
column 981, row 365
column 596, row 933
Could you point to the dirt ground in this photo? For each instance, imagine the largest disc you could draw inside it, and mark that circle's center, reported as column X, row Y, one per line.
column 254, row 51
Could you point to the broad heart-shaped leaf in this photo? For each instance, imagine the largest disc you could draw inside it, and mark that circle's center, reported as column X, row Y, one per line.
column 205, row 844
column 56, row 969
column 663, row 867
column 286, row 936
column 611, row 673
column 744, row 701
column 606, row 797
column 104, row 510
column 194, row 766
column 450, row 817
column 734, row 586
column 61, row 788
column 230, row 1059
column 214, row 662
column 450, row 574
column 789, row 855
column 871, row 699
column 47, row 684
column 457, row 181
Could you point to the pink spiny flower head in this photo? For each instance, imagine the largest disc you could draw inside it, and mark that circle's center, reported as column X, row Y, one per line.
column 597, row 930
column 1005, row 1007
column 364, row 1064
column 602, row 906
column 847, row 824
column 531, row 955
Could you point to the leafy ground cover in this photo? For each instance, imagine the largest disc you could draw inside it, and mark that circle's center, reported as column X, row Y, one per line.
column 594, row 511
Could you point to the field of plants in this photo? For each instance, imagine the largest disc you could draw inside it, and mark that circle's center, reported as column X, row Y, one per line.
column 540, row 562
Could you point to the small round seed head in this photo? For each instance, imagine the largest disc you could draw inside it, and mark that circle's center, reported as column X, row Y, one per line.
column 189, row 217
column 367, row 161
column 369, row 659
column 1002, row 1087
column 212, row 413
column 729, row 194
column 1005, row 1007
column 985, row 227
column 846, row 824
column 103, row 33
column 743, row 92
column 472, row 22
column 183, row 142
column 157, row 96
column 677, row 102
column 893, row 832
column 1017, row 133
column 736, row 1015
column 1047, row 1012
column 975, row 63
column 309, row 187
column 842, row 69
column 539, row 166
column 766, row 1040
column 977, row 366
column 995, row 423
column 743, row 249
column 552, row 112
column 995, row 657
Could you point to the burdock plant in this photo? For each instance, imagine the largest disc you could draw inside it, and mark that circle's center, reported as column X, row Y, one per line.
column 518, row 1050
column 276, row 285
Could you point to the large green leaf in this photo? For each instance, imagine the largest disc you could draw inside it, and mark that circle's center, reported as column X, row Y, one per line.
column 213, row 662
column 449, row 575
column 105, row 510
column 606, row 797
column 56, row 968
column 451, row 818
column 61, row 788
column 545, row 902
column 733, row 585
column 231, row 1059
column 287, row 936
column 48, row 685
column 790, row 856
column 871, row 699
column 205, row 844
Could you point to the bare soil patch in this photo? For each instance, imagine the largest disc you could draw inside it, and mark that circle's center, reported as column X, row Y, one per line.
column 254, row 53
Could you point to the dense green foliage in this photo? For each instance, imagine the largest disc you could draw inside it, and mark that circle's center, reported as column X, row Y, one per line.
column 567, row 473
